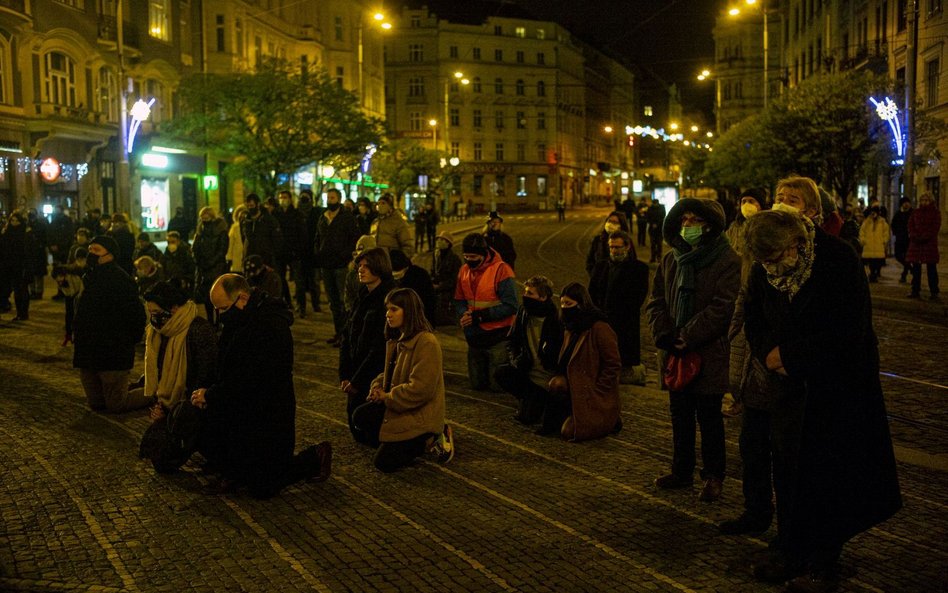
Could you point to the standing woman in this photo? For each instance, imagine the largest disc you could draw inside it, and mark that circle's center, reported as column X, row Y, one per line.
column 235, row 241
column 585, row 390
column 599, row 248
column 923, row 228
column 404, row 412
column 17, row 251
column 211, row 245
column 874, row 236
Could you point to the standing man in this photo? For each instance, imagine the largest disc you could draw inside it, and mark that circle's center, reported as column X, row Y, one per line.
column 310, row 276
column 251, row 410
column 390, row 228
column 109, row 321
column 260, row 231
column 293, row 228
column 181, row 224
column 618, row 286
column 500, row 241
column 431, row 224
column 61, row 230
column 641, row 218
column 560, row 210
column 336, row 236
column 211, row 244
column 901, row 234
column 486, row 303
column 655, row 217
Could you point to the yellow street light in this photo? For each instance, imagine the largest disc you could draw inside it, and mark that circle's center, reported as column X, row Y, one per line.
column 734, row 11
column 607, row 129
column 386, row 26
column 378, row 16
column 694, row 128
column 673, row 126
column 710, row 134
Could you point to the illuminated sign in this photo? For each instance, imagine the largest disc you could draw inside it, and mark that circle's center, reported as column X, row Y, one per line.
column 305, row 178
column 155, row 161
column 50, row 170
column 139, row 113
column 210, row 182
column 888, row 111
column 637, row 185
column 155, row 200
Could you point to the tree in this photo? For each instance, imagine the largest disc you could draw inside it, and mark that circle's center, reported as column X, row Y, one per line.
column 273, row 121
column 400, row 163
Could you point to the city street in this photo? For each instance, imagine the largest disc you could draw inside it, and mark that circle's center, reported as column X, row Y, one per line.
column 512, row 512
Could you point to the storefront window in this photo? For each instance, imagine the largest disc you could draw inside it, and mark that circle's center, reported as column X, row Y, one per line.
column 541, row 185
column 155, row 200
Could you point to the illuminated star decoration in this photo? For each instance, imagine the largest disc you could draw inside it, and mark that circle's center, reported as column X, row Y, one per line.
column 888, row 111
column 139, row 113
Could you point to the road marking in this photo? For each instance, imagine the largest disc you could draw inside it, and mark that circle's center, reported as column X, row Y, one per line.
column 128, row 583
column 911, row 380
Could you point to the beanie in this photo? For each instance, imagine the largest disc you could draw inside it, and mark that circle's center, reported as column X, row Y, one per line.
column 475, row 244
column 108, row 243
column 400, row 261
column 446, row 236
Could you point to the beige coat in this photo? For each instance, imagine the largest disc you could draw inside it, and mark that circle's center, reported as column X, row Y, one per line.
column 416, row 405
column 874, row 238
column 391, row 232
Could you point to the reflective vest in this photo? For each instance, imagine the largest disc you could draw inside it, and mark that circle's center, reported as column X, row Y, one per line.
column 481, row 292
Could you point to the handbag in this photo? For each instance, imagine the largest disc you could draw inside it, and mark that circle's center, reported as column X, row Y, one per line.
column 681, row 370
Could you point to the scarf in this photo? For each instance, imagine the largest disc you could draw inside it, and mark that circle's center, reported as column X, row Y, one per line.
column 792, row 283
column 172, row 385
column 689, row 262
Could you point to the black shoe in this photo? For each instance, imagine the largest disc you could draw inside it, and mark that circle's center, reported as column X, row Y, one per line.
column 744, row 524
column 776, row 571
column 913, row 295
column 673, row 482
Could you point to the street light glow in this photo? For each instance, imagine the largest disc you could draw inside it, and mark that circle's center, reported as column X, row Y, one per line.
column 734, row 11
column 465, row 81
column 750, row 2
column 379, row 16
column 673, row 126
column 386, row 26
column 459, row 74
column 710, row 134
column 607, row 129
column 432, row 122
column 694, row 128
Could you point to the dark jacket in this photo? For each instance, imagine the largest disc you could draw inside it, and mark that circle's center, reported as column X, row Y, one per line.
column 126, row 243
column 599, row 247
column 418, row 279
column 900, row 230
column 335, row 241
column 311, row 219
column 151, row 250
column 182, row 225
column 179, row 266
column 548, row 347
column 502, row 243
column 18, row 253
column 61, row 231
column 252, row 406
column 262, row 236
column 845, row 467
column 109, row 320
column 293, row 228
column 444, row 279
column 210, row 256
column 655, row 215
column 619, row 290
column 593, row 374
column 362, row 351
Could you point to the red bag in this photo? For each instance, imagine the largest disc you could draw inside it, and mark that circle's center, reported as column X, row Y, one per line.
column 681, row 369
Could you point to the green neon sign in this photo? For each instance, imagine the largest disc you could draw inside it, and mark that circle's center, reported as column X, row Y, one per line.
column 210, row 182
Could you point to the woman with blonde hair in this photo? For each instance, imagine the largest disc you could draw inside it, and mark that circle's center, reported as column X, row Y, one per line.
column 235, row 245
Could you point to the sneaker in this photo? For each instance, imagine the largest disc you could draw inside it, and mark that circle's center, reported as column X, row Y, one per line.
column 711, row 491
column 443, row 446
column 673, row 482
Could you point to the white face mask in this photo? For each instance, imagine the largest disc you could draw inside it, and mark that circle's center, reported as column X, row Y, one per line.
column 782, row 267
column 400, row 274
column 782, row 207
column 749, row 210
column 611, row 227
column 172, row 247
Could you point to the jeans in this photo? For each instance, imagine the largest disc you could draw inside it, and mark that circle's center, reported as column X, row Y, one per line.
column 932, row 272
column 685, row 407
column 335, row 281
column 482, row 363
column 367, row 420
column 755, row 455
column 108, row 391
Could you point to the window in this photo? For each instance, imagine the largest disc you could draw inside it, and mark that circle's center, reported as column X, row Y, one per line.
column 520, row 32
column 3, row 73
column 184, row 27
column 415, row 121
column 500, row 182
column 541, row 58
column 498, row 30
column 931, row 82
column 520, row 56
column 541, row 185
column 499, row 119
column 478, row 185
column 478, row 119
column 415, row 21
column 476, row 83
column 933, row 186
column 900, row 12
column 239, row 37
column 416, row 52
column 541, row 33
column 158, row 13
column 541, row 152
column 934, row 6
column 154, row 88
column 648, row 111
column 219, row 20
column 541, row 120
column 107, row 8
column 498, row 55
column 337, row 27
column 499, row 151
column 340, row 76
column 416, row 86
column 80, row 4
column 498, row 86
column 257, row 49
column 478, row 151
column 541, row 88
column 521, row 121
column 521, row 186
column 476, row 53
column 60, row 79
column 108, row 106
column 455, row 117
column 456, row 149
column 521, row 152
column 453, row 51
column 520, row 88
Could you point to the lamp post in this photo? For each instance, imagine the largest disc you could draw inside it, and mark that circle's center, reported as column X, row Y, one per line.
column 459, row 78
column 766, row 45
column 434, row 133
column 379, row 19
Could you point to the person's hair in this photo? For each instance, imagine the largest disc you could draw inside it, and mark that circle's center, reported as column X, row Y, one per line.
column 770, row 232
column 174, row 235
column 334, row 190
column 578, row 293
column 272, row 202
column 387, row 197
column 623, row 219
column 285, row 192
column 542, row 284
column 414, row 321
column 119, row 218
column 306, row 193
column 234, row 285
column 166, row 295
column 144, row 237
column 807, row 188
column 145, row 260
column 377, row 261
column 82, row 231
column 400, row 261
column 622, row 235
column 252, row 198
column 207, row 210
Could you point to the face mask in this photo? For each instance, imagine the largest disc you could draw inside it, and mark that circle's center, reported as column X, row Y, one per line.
column 172, row 247
column 442, row 244
column 692, row 234
column 92, row 260
column 400, row 274
column 611, row 227
column 782, row 267
column 781, row 207
column 252, row 211
column 749, row 210
column 332, row 207
column 159, row 319
column 570, row 315
column 473, row 263
column 232, row 315
column 535, row 307
column 619, row 257
column 305, row 207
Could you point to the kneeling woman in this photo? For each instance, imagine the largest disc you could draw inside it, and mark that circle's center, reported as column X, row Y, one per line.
column 405, row 406
column 585, row 392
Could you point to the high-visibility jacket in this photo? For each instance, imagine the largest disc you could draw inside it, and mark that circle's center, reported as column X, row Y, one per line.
column 479, row 288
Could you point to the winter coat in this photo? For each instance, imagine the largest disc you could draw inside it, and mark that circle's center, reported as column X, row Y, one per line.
column 655, row 215
column 293, row 228
column 210, row 248
column 418, row 279
column 599, row 247
column 251, row 408
column 235, row 248
column 335, row 240
column 548, row 346
column 126, row 242
column 923, row 235
column 444, row 279
column 391, row 232
column 179, row 266
column 311, row 219
column 61, row 232
column 593, row 376
column 900, row 232
column 503, row 244
column 362, row 350
column 151, row 250
column 109, row 320
column 17, row 253
column 874, row 236
column 416, row 385
column 619, row 290
column 262, row 236
column 182, row 225
column 845, row 467
column 492, row 303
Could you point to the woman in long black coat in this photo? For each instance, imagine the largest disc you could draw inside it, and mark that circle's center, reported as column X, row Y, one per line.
column 808, row 318
column 17, row 262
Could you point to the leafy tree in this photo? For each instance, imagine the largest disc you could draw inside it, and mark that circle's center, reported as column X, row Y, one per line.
column 401, row 161
column 273, row 121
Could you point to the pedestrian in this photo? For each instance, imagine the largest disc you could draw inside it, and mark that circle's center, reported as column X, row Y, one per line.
column 533, row 348
column 308, row 281
column 832, row 221
column 262, row 277
column 432, row 218
column 235, row 241
column 365, row 216
column 599, row 247
column 445, row 265
column 37, row 241
column 752, row 201
column 485, row 301
column 404, row 412
column 618, row 287
column 850, row 230
column 362, row 347
column 560, row 210
column 690, row 311
column 210, row 248
column 421, row 228
column 336, row 236
column 69, row 279
column 409, row 275
column 584, row 392
column 119, row 230
column 641, row 220
column 61, row 230
column 364, row 243
column 81, row 241
column 144, row 246
column 180, row 223
column 499, row 241
column 390, row 227
column 289, row 258
column 17, row 252
column 261, row 232
column 178, row 263
column 874, row 235
column 655, row 215
column 92, row 222
column 900, row 233
column 148, row 272
column 250, row 425
column 924, row 225
column 808, row 319
column 109, row 321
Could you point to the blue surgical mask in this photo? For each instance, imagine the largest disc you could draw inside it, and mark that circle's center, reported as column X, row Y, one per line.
column 692, row 234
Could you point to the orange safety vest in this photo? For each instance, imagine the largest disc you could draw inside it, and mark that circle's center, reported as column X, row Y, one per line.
column 482, row 293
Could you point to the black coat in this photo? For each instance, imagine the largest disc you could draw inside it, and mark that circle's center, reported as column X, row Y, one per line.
column 502, row 243
column 846, row 475
column 335, row 241
column 251, row 408
column 182, row 225
column 293, row 228
column 179, row 266
column 362, row 351
column 210, row 256
column 109, row 320
column 126, row 243
column 262, row 236
column 311, row 217
column 548, row 348
column 419, row 280
column 620, row 290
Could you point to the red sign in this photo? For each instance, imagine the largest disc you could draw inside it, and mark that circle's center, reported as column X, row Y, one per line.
column 50, row 170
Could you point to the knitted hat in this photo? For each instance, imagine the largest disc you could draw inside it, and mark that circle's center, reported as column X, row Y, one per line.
column 108, row 243
column 252, row 265
column 365, row 243
column 447, row 237
column 400, row 261
column 475, row 244
column 166, row 296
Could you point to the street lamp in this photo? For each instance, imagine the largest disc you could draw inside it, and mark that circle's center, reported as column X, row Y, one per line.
column 459, row 78
column 434, row 133
column 379, row 18
column 763, row 10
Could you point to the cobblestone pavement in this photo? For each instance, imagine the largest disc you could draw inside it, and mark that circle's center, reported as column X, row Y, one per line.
column 512, row 511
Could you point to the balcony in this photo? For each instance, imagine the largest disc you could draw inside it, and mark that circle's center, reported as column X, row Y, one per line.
column 108, row 32
column 78, row 114
column 18, row 8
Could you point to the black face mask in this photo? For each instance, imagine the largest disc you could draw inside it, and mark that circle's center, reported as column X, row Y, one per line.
column 473, row 264
column 92, row 260
column 231, row 316
column 332, row 207
column 252, row 211
column 536, row 308
column 571, row 315
column 159, row 319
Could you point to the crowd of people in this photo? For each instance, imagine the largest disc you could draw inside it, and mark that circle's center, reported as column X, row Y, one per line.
column 772, row 309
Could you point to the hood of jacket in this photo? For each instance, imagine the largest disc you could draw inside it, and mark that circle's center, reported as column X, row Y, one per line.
column 710, row 210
